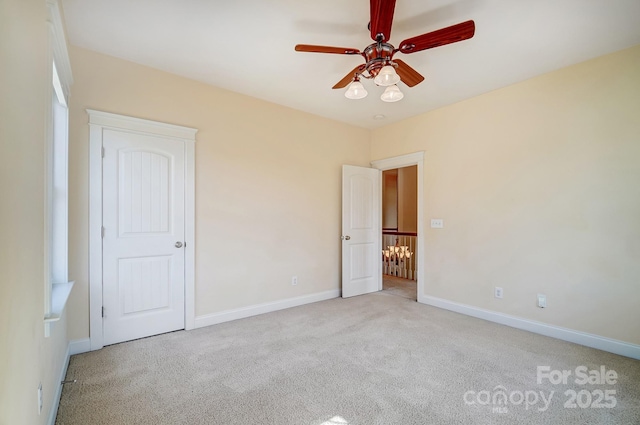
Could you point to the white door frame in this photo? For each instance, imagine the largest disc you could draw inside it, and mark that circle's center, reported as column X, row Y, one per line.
column 408, row 160
column 98, row 121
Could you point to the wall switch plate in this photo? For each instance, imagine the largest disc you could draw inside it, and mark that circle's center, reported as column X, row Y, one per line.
column 497, row 292
column 437, row 223
column 542, row 301
column 294, row 280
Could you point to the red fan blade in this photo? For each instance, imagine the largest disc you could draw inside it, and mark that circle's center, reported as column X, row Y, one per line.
column 408, row 75
column 440, row 37
column 326, row 49
column 349, row 77
column 381, row 18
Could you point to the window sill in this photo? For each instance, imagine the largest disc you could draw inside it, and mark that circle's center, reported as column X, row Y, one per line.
column 59, row 295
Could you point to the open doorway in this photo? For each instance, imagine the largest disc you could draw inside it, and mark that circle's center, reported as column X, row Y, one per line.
column 400, row 231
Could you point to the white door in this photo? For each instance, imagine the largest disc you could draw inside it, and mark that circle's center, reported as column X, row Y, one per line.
column 144, row 227
column 361, row 231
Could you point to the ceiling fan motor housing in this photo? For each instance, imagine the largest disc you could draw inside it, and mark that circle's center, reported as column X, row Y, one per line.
column 377, row 55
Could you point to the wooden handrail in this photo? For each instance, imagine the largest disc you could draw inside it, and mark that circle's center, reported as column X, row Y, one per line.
column 396, row 233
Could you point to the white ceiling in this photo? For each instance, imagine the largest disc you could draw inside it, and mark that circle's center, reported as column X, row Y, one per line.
column 247, row 46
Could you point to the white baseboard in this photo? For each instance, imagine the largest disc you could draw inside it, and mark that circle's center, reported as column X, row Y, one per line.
column 79, row 346
column 590, row 340
column 56, row 397
column 254, row 310
column 75, row 347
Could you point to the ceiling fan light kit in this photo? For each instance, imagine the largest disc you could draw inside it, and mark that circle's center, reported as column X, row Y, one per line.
column 392, row 94
column 379, row 64
column 387, row 76
column 356, row 91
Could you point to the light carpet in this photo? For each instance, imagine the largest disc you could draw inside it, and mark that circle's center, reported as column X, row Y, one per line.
column 373, row 359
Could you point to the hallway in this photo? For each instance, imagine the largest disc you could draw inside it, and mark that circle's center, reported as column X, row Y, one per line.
column 400, row 287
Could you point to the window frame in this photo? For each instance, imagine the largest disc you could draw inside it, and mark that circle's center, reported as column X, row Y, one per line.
column 57, row 287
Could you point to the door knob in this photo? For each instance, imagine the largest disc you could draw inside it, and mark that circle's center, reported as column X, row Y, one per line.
column 178, row 244
column 347, row 238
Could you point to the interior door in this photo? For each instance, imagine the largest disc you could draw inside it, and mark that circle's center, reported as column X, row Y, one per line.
column 143, row 244
column 361, row 231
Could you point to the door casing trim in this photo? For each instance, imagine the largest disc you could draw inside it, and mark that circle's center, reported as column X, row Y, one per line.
column 98, row 121
column 416, row 158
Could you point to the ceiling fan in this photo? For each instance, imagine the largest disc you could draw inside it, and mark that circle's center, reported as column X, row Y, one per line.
column 379, row 63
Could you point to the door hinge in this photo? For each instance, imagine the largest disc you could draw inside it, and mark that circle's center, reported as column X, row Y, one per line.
column 102, row 311
column 102, row 152
column 102, row 232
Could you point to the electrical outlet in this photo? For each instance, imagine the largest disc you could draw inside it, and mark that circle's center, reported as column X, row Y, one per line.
column 40, row 398
column 294, row 280
column 497, row 292
column 542, row 301
column 437, row 223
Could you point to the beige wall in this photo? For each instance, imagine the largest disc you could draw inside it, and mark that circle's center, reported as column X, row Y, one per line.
column 400, row 199
column 267, row 184
column 390, row 199
column 408, row 199
column 537, row 184
column 26, row 356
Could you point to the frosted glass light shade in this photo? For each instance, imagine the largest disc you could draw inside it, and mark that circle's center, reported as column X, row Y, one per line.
column 392, row 94
column 355, row 91
column 387, row 76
